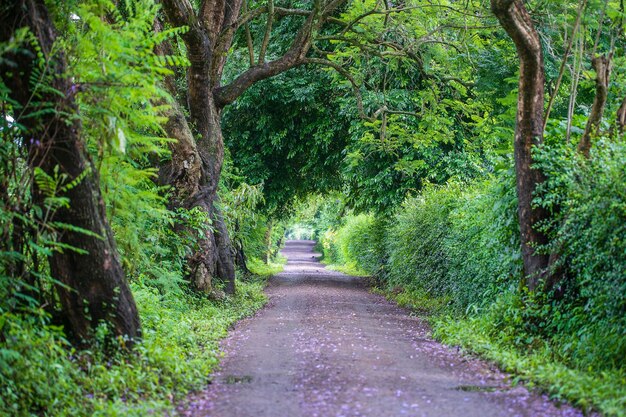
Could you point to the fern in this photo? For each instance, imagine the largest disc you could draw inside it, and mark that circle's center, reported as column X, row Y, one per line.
column 122, row 105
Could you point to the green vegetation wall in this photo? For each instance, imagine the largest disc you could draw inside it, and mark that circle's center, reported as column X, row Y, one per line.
column 453, row 250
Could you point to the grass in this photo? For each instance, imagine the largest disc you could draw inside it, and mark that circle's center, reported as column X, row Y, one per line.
column 414, row 299
column 41, row 375
column 261, row 269
column 348, row 269
column 604, row 391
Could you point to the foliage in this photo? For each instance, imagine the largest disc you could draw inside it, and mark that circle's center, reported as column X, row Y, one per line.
column 415, row 71
column 539, row 364
column 416, row 240
column 351, row 243
column 453, row 252
column 287, row 134
column 117, row 76
column 590, row 235
column 250, row 228
column 456, row 241
column 41, row 375
column 415, row 188
column 482, row 245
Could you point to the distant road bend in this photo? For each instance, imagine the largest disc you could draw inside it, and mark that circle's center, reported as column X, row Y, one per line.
column 324, row 346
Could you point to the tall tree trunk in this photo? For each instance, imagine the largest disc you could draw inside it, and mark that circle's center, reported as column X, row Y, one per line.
column 602, row 65
column 215, row 259
column 194, row 182
column 268, row 242
column 206, row 117
column 225, row 261
column 515, row 19
column 240, row 255
column 189, row 175
column 95, row 289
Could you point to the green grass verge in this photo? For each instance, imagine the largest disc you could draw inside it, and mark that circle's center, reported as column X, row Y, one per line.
column 260, row 268
column 604, row 391
column 41, row 375
column 348, row 269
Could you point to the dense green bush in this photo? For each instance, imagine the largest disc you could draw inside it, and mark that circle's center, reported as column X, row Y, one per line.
column 482, row 245
column 449, row 241
column 353, row 239
column 416, row 241
column 590, row 234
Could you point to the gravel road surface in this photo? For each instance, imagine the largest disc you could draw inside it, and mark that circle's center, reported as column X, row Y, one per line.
column 325, row 346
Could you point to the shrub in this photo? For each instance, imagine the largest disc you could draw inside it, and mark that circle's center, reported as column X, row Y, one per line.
column 415, row 243
column 589, row 232
column 482, row 245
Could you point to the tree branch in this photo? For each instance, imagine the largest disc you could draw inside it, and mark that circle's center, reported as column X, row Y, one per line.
column 268, row 31
column 248, row 36
column 581, row 7
column 293, row 57
column 346, row 74
column 403, row 112
column 179, row 12
column 250, row 15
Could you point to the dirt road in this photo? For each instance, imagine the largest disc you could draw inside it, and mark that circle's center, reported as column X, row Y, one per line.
column 325, row 346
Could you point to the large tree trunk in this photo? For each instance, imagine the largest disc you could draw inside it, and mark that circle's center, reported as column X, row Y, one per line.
column 218, row 257
column 225, row 261
column 190, row 176
column 215, row 258
column 194, row 184
column 515, row 19
column 602, row 65
column 95, row 289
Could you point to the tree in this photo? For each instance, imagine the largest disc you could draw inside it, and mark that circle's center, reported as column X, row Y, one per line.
column 212, row 27
column 517, row 22
column 93, row 287
column 602, row 66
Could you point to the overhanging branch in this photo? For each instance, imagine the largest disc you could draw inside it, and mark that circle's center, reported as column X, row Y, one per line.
column 346, row 74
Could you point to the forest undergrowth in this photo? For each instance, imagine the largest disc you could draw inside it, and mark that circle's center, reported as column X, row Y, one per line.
column 45, row 370
column 42, row 374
